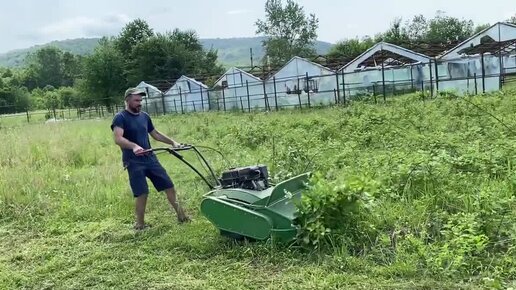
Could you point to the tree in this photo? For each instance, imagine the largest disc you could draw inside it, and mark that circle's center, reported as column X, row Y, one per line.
column 347, row 50
column 103, row 76
column 395, row 34
column 481, row 27
column 444, row 28
column 289, row 33
column 512, row 19
column 44, row 68
column 134, row 32
column 13, row 99
column 170, row 55
column 71, row 68
column 417, row 29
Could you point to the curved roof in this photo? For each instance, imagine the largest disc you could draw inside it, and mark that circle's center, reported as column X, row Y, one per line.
column 384, row 52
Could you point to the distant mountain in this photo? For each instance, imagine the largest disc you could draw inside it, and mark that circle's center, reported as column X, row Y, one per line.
column 82, row 46
column 237, row 51
column 231, row 51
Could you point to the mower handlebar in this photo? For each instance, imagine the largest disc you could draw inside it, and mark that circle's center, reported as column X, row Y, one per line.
column 168, row 149
column 183, row 147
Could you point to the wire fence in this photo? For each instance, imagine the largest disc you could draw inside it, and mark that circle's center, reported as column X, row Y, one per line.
column 313, row 87
column 238, row 91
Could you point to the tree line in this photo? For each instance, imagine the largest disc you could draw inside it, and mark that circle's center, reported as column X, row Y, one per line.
column 53, row 79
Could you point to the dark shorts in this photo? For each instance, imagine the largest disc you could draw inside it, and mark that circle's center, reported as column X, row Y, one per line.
column 139, row 171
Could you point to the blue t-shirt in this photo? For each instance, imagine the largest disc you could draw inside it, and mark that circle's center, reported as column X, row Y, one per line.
column 136, row 129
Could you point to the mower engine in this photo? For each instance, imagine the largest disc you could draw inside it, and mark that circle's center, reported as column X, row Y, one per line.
column 250, row 177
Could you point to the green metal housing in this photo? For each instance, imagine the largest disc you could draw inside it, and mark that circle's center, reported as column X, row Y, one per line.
column 256, row 214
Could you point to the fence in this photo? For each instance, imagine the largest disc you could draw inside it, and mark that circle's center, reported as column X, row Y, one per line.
column 474, row 75
column 471, row 76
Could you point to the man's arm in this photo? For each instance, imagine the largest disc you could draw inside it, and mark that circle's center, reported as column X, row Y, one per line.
column 123, row 142
column 158, row 136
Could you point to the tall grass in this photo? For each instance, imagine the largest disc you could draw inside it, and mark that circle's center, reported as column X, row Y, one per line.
column 406, row 194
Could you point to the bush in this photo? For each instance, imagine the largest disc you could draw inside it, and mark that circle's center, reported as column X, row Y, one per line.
column 338, row 213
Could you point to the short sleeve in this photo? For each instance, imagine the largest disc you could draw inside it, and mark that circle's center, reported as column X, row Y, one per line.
column 150, row 126
column 118, row 121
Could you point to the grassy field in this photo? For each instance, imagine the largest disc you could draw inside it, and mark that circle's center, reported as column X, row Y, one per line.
column 411, row 194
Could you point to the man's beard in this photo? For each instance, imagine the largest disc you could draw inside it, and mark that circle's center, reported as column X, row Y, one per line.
column 136, row 109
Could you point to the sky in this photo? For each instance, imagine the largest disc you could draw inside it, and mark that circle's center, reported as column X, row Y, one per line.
column 30, row 22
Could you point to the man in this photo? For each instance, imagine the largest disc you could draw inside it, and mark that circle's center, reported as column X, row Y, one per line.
column 131, row 128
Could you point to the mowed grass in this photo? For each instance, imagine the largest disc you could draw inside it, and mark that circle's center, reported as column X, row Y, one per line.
column 66, row 210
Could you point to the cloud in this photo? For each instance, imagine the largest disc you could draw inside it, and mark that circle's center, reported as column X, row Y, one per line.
column 238, row 11
column 84, row 27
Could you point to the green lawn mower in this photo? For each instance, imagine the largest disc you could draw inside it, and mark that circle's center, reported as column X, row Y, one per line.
column 244, row 204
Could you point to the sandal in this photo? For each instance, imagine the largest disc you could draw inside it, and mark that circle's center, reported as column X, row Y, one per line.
column 141, row 227
column 185, row 219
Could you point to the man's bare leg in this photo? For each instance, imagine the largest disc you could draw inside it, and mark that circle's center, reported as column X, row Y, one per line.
column 141, row 202
column 172, row 198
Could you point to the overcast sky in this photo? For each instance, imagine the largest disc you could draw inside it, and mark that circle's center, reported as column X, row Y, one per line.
column 28, row 22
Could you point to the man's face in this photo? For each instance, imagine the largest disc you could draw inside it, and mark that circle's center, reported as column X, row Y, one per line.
column 134, row 103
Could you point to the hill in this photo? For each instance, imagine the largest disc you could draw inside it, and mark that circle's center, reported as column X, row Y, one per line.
column 236, row 51
column 232, row 51
column 81, row 46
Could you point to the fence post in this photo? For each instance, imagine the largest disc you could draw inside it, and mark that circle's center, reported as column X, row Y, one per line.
column 175, row 105
column 411, row 78
column 476, row 89
column 248, row 99
column 202, row 101
column 193, row 104
column 308, row 89
column 146, row 97
column 28, row 117
column 181, row 100
column 383, row 82
column 163, row 103
column 431, row 79
column 299, row 94
column 224, row 99
column 483, row 74
column 436, row 76
column 156, row 108
column 209, row 101
column 343, row 89
column 267, row 107
column 338, row 87
column 275, row 92
column 501, row 77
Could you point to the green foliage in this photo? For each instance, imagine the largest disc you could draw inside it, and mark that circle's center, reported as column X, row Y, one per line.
column 13, row 99
column 104, row 76
column 350, row 48
column 445, row 28
column 170, row 55
column 289, row 32
column 51, row 66
column 134, row 32
column 405, row 194
column 411, row 33
column 338, row 212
